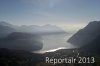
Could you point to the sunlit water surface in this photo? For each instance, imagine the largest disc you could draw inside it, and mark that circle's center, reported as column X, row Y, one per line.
column 53, row 43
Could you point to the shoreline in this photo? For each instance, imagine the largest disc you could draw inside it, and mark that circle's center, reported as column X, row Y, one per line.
column 50, row 50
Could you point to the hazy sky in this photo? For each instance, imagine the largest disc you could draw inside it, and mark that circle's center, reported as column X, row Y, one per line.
column 59, row 12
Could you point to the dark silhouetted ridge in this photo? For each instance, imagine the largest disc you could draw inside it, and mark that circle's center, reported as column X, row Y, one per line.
column 86, row 35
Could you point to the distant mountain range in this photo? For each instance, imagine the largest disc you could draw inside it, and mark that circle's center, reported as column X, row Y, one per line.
column 88, row 38
column 43, row 30
column 25, row 37
column 6, row 28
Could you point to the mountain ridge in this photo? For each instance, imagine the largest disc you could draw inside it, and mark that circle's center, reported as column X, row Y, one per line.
column 45, row 29
column 86, row 35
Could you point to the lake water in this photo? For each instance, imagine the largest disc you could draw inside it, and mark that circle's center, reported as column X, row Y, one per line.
column 55, row 42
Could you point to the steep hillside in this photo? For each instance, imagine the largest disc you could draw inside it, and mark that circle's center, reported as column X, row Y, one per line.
column 86, row 35
column 22, row 41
